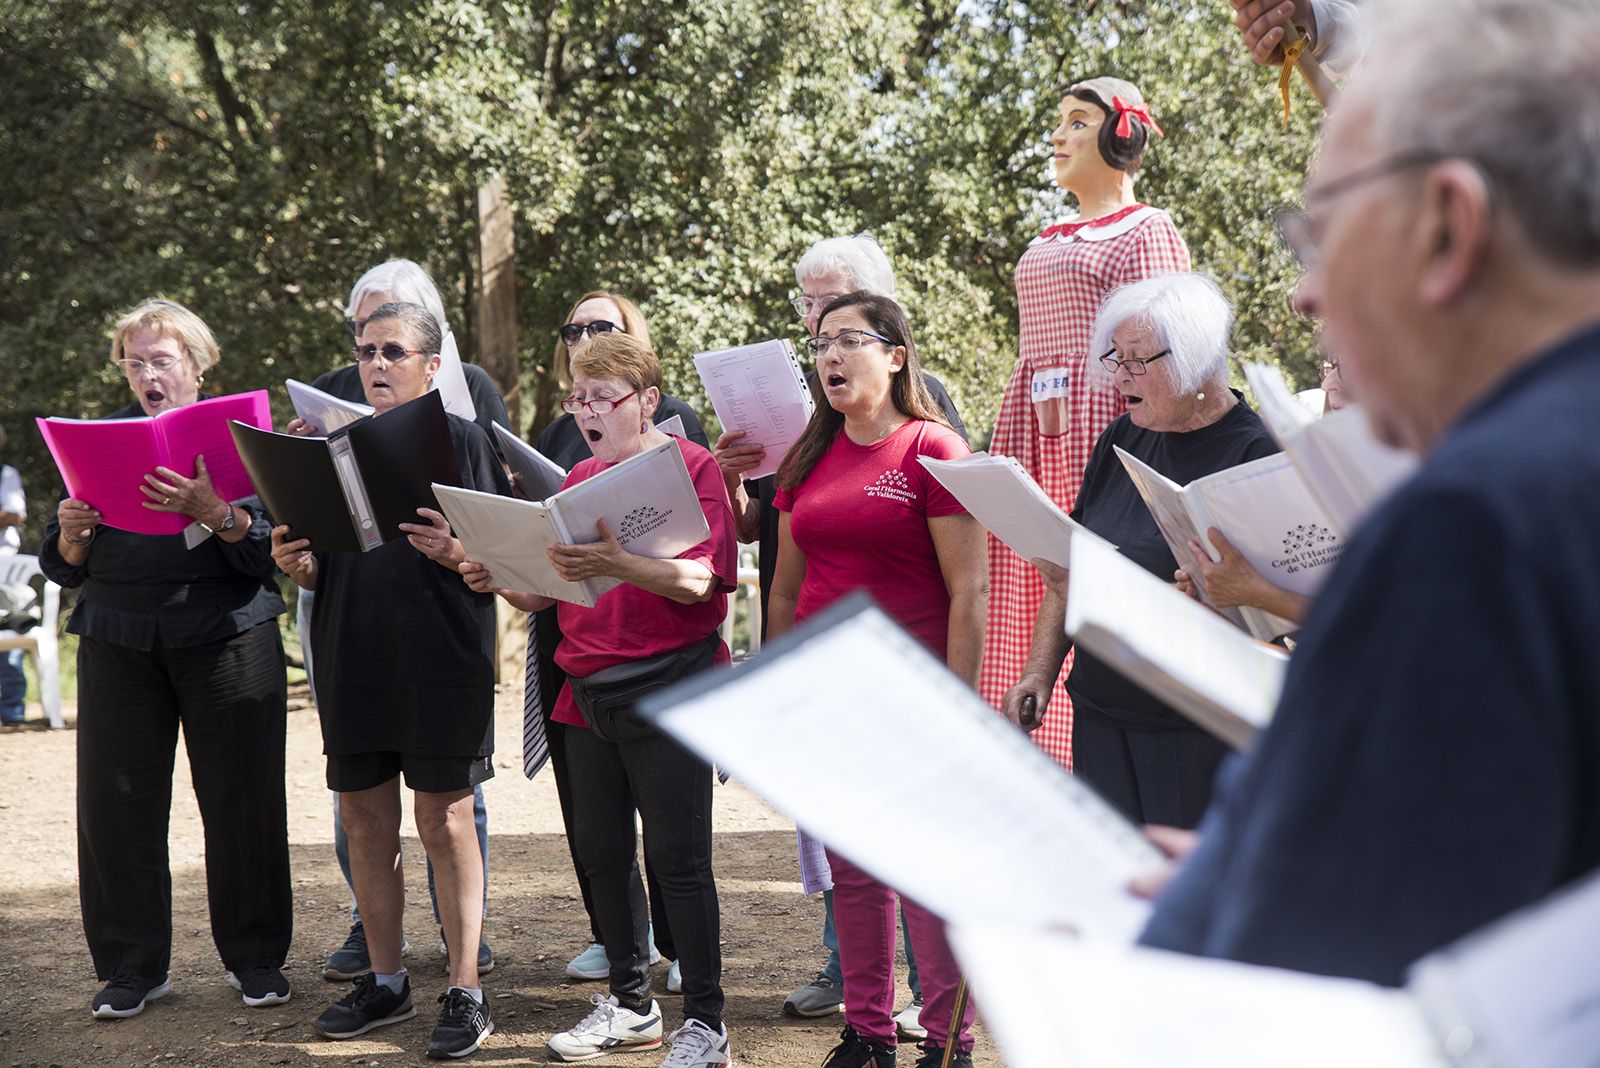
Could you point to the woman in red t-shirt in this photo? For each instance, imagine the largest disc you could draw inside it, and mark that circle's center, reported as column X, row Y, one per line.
column 860, row 513
column 662, row 606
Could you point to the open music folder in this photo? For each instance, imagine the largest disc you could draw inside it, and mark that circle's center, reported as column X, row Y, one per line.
column 349, row 491
column 1177, row 648
column 322, row 411
column 534, row 476
column 1000, row 829
column 1264, row 508
column 1522, row 992
column 1342, row 462
column 1001, row 495
column 761, row 390
column 648, row 501
column 104, row 461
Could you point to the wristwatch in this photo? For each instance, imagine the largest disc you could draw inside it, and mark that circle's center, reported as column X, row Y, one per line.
column 226, row 525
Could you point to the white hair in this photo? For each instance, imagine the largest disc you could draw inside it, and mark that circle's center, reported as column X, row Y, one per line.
column 402, row 282
column 858, row 258
column 1513, row 85
column 1187, row 314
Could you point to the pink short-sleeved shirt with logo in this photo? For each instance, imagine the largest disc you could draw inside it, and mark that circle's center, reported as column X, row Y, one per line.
column 861, row 519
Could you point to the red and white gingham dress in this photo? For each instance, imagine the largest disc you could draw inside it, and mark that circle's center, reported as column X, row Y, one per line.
column 1062, row 280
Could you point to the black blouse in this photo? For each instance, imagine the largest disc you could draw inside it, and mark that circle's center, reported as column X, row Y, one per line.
column 1109, row 505
column 142, row 591
column 404, row 650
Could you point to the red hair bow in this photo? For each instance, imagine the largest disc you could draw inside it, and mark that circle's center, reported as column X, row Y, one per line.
column 1125, row 111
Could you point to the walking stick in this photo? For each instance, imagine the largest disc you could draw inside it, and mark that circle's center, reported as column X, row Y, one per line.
column 953, row 1035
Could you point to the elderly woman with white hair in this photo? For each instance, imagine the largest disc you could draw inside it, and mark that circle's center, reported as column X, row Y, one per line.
column 1163, row 344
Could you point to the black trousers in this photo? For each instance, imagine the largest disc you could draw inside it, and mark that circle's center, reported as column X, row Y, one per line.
column 1150, row 776
column 671, row 789
column 230, row 698
column 551, row 679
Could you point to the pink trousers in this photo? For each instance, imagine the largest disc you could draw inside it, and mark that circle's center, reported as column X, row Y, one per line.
column 864, row 915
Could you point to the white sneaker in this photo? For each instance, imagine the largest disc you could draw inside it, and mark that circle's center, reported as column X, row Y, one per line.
column 694, row 1045
column 674, row 979
column 908, row 1022
column 593, row 963
column 609, row 1028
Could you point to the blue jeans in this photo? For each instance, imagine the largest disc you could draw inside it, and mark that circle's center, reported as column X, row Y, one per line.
column 480, row 820
column 830, row 940
column 13, row 687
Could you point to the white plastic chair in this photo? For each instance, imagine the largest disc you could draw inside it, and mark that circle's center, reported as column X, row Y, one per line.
column 41, row 640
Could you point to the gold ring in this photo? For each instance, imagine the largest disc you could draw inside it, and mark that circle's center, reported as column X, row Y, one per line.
column 166, row 500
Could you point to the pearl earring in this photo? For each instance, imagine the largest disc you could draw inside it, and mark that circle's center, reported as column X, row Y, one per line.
column 1199, row 396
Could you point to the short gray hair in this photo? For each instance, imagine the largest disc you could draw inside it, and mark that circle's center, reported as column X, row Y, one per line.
column 1188, row 315
column 1514, row 86
column 402, row 281
column 858, row 257
column 415, row 318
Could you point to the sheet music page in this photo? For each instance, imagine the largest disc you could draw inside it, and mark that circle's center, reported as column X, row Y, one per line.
column 1349, row 469
column 760, row 390
column 511, row 537
column 1525, row 991
column 648, row 501
column 451, row 381
column 1275, row 402
column 537, row 477
column 673, row 426
column 815, row 873
column 1173, row 646
column 807, row 725
column 323, row 411
column 1002, row 497
column 1134, row 1007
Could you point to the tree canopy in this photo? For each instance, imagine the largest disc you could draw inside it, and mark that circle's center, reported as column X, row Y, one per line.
column 250, row 159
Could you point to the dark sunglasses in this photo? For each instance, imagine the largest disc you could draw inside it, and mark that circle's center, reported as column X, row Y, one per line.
column 573, row 331
column 391, row 353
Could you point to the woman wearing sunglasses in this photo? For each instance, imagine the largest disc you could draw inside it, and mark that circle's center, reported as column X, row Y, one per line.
column 859, row 512
column 412, row 695
column 596, row 314
column 1163, row 345
column 662, row 622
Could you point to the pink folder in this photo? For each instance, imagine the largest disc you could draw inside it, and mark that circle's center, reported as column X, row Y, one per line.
column 104, row 461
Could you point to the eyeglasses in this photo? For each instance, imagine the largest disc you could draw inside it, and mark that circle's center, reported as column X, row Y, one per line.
column 160, row 365
column 848, row 341
column 1329, row 367
column 1294, row 224
column 1135, row 367
column 573, row 331
column 804, row 305
column 391, row 353
column 597, row 405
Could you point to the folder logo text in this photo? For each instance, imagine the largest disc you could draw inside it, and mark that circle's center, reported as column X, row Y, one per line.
column 641, row 521
column 1308, row 545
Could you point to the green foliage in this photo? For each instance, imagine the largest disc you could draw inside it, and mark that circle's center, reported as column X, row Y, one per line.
column 251, row 159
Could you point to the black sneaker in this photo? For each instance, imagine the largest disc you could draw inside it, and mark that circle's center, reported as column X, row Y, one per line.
column 485, row 954
column 463, row 1025
column 370, row 1004
column 856, row 1052
column 125, row 995
column 933, row 1057
column 349, row 960
column 261, row 986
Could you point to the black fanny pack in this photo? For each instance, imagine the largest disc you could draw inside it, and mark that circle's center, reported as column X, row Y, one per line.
column 608, row 698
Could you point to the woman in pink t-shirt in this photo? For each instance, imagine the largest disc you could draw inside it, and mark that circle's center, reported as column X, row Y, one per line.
column 662, row 607
column 860, row 513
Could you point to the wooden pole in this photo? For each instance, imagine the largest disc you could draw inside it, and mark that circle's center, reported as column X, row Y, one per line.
column 497, row 293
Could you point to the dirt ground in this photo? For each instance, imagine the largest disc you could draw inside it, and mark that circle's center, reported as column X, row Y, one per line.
column 770, row 932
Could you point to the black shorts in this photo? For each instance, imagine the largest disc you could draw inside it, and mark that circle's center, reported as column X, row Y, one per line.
column 350, row 772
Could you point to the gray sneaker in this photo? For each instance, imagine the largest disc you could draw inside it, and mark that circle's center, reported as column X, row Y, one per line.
column 351, row 960
column 819, row 997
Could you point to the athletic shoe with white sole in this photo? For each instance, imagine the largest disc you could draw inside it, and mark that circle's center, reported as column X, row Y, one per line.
column 464, row 1023
column 674, row 979
column 369, row 1004
column 261, row 987
column 609, row 1028
column 694, row 1045
column 485, row 954
column 126, row 995
column 819, row 997
column 853, row 1051
column 351, row 961
column 908, row 1022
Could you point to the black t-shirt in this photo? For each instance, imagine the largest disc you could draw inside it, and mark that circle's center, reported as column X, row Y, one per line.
column 1434, row 761
column 404, row 650
column 1109, row 505
column 562, row 442
column 345, row 383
